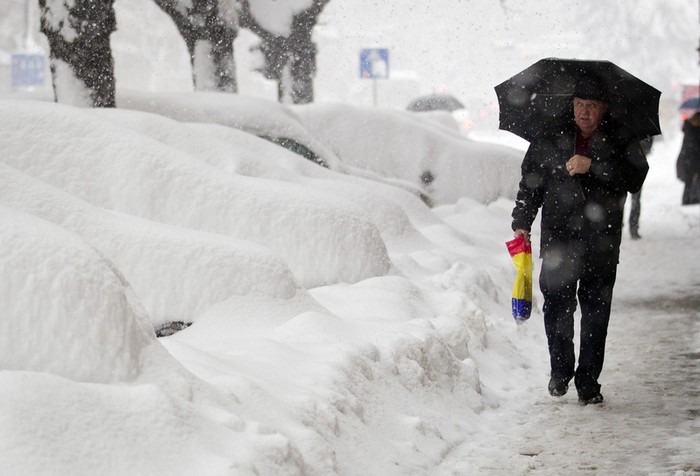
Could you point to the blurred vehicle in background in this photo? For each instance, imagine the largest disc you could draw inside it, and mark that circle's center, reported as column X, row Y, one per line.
column 435, row 102
column 443, row 102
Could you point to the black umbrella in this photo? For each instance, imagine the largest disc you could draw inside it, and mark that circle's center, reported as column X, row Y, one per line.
column 435, row 102
column 692, row 103
column 537, row 98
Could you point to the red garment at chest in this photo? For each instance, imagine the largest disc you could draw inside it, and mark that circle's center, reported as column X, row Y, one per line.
column 583, row 144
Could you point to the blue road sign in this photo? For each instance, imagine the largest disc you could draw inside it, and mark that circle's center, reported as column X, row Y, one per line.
column 27, row 70
column 374, row 63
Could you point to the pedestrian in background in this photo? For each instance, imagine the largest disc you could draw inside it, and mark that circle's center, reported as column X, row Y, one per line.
column 635, row 201
column 688, row 163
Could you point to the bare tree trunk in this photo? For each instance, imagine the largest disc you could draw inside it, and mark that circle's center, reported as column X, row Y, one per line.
column 289, row 60
column 209, row 36
column 82, row 68
column 302, row 53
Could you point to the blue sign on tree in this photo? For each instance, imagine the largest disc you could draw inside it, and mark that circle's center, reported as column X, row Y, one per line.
column 374, row 63
column 27, row 70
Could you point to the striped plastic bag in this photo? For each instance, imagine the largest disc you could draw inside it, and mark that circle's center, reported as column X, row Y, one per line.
column 521, row 254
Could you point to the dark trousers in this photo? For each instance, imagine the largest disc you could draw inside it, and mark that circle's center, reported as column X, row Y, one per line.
column 635, row 210
column 587, row 269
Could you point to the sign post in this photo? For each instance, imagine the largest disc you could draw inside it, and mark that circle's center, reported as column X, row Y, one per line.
column 27, row 64
column 27, row 70
column 374, row 65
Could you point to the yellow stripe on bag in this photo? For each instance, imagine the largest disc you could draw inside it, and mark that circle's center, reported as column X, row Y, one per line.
column 521, row 254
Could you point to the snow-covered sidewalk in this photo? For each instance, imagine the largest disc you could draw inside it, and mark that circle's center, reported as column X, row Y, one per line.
column 651, row 380
column 648, row 424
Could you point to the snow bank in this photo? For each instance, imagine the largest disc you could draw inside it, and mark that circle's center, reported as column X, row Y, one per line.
column 88, row 390
column 256, row 116
column 167, row 423
column 253, row 115
column 55, row 426
column 394, row 211
column 176, row 272
column 328, row 372
column 406, row 145
column 65, row 309
column 330, row 241
column 300, row 380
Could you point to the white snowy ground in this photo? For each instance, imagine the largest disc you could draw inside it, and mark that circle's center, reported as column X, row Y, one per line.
column 339, row 325
column 649, row 423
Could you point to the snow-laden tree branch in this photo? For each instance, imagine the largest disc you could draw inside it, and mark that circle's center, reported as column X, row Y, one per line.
column 285, row 29
column 208, row 28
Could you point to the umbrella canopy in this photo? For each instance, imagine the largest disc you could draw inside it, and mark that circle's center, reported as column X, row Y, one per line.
column 540, row 96
column 692, row 103
column 435, row 102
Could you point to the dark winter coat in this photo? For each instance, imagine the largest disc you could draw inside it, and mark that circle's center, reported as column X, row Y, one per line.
column 585, row 206
column 688, row 163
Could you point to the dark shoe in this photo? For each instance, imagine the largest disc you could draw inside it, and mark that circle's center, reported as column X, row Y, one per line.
column 594, row 400
column 558, row 387
column 635, row 235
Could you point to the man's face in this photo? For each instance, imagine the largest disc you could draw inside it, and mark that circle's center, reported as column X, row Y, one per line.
column 588, row 113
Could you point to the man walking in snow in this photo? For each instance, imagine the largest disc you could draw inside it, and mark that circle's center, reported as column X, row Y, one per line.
column 579, row 173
